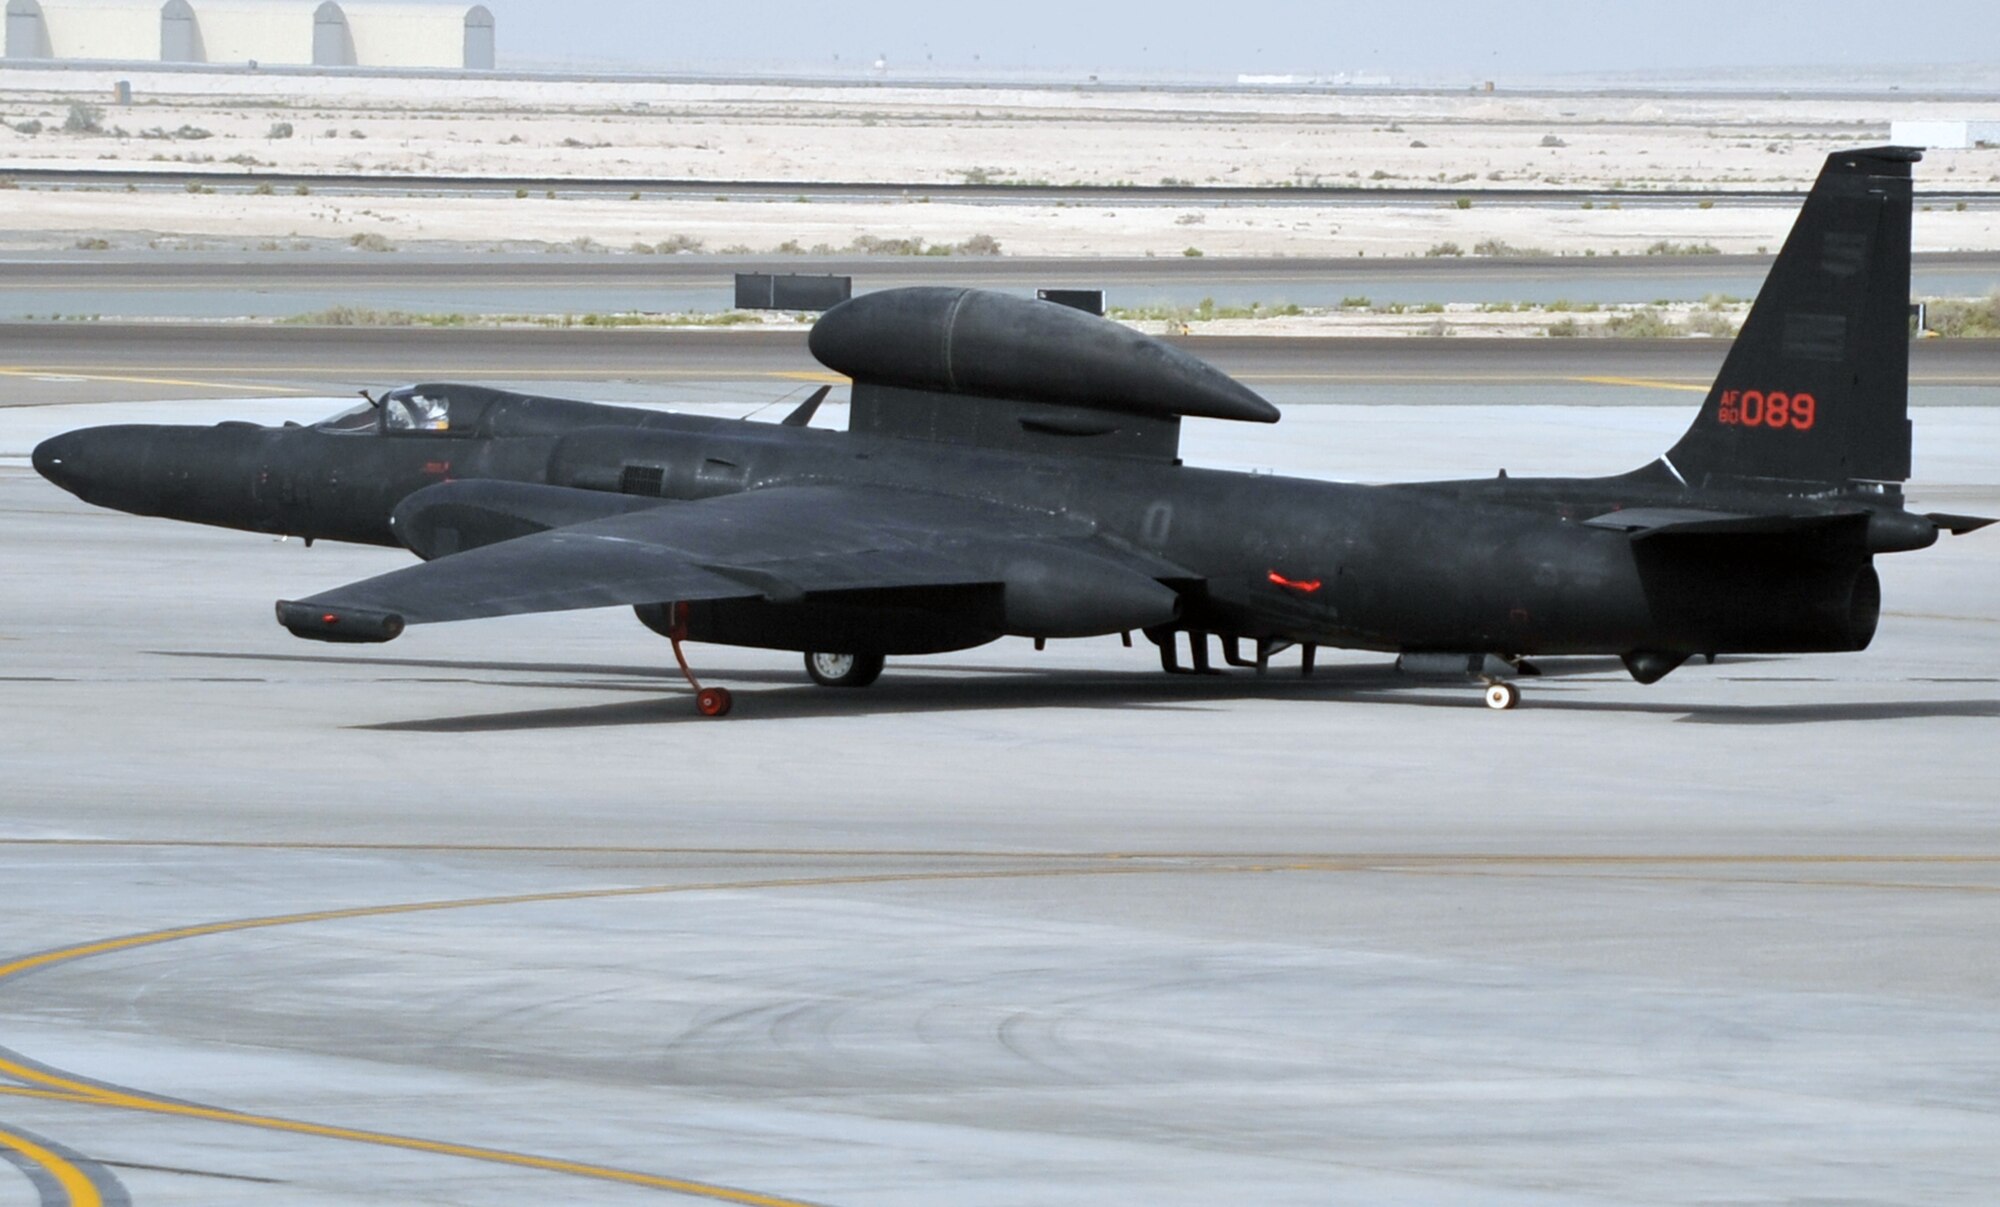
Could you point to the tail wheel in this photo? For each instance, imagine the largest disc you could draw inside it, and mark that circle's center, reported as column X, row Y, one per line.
column 714, row 701
column 843, row 670
column 1502, row 696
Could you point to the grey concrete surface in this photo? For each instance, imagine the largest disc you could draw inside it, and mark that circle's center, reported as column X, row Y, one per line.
column 196, row 285
column 58, row 363
column 1008, row 928
column 460, row 184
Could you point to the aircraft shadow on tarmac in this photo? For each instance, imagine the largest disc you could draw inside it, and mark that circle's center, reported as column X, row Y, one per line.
column 1021, row 687
column 663, row 672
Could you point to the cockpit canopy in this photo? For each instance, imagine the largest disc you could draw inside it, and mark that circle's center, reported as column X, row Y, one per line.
column 431, row 409
column 410, row 409
column 415, row 411
column 455, row 410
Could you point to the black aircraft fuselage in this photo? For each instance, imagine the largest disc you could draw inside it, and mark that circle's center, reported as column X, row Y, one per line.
column 1494, row 565
column 1010, row 470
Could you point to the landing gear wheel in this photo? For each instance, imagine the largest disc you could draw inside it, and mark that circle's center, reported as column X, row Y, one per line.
column 1502, row 696
column 708, row 701
column 843, row 670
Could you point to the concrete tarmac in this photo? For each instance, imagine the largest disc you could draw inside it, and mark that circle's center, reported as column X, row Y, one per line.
column 376, row 184
column 195, row 285
column 489, row 916
column 51, row 363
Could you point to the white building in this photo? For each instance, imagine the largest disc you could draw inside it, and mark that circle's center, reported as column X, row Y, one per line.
column 1945, row 136
column 415, row 35
column 235, row 31
column 275, row 32
column 83, row 29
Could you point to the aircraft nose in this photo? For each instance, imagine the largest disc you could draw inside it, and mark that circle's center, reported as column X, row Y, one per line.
column 101, row 465
column 59, row 459
column 205, row 474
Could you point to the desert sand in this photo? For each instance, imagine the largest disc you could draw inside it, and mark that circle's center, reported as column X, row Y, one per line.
column 920, row 135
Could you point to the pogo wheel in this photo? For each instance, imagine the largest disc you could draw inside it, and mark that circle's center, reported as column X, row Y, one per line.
column 713, row 701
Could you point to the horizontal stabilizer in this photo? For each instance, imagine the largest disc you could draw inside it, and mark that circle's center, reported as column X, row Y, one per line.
column 1958, row 525
column 1644, row 522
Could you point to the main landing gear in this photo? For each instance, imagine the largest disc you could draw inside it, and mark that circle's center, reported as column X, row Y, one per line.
column 1168, row 641
column 1503, row 695
column 708, row 701
column 843, row 670
column 1496, row 671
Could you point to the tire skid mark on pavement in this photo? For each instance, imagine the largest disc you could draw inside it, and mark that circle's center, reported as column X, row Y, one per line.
column 1005, row 855
column 39, row 1081
column 47, row 1083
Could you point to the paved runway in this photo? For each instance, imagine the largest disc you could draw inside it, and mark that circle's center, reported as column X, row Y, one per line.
column 489, row 916
column 463, row 184
column 42, row 363
column 192, row 285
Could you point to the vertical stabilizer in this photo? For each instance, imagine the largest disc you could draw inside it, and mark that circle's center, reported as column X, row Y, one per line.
column 1815, row 393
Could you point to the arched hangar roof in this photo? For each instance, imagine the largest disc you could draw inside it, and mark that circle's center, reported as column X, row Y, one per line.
column 83, row 29
column 291, row 32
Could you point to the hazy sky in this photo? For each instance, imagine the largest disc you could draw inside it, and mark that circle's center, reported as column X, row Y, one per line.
column 1409, row 38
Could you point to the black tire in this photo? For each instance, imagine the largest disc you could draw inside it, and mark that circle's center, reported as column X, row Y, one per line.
column 843, row 670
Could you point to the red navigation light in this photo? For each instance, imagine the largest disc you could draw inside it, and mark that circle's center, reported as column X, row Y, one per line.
column 329, row 618
column 1304, row 586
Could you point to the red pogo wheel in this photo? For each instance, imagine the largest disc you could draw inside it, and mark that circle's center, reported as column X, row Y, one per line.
column 713, row 701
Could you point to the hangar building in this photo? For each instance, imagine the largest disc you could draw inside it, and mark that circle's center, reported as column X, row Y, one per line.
column 300, row 33
column 1945, row 135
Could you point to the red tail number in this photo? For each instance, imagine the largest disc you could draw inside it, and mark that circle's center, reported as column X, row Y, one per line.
column 1768, row 408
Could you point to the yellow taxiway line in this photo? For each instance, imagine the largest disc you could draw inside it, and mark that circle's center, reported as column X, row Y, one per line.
column 83, row 1194
column 1228, row 860
column 75, row 1184
column 429, row 371
column 60, row 374
column 170, row 375
column 1643, row 383
column 51, row 1084
column 44, row 1083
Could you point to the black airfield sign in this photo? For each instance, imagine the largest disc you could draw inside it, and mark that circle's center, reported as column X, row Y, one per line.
column 1011, row 468
column 791, row 291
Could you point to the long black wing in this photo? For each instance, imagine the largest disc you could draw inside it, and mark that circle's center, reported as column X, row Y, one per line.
column 780, row 544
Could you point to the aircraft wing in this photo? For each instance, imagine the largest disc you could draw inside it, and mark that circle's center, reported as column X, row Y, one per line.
column 780, row 544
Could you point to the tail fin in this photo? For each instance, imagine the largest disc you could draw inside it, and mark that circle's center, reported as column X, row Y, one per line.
column 1815, row 394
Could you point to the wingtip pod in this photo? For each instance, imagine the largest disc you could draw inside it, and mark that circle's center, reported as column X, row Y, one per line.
column 979, row 342
column 323, row 622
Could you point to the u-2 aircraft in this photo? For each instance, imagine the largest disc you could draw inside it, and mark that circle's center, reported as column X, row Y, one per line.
column 1010, row 468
